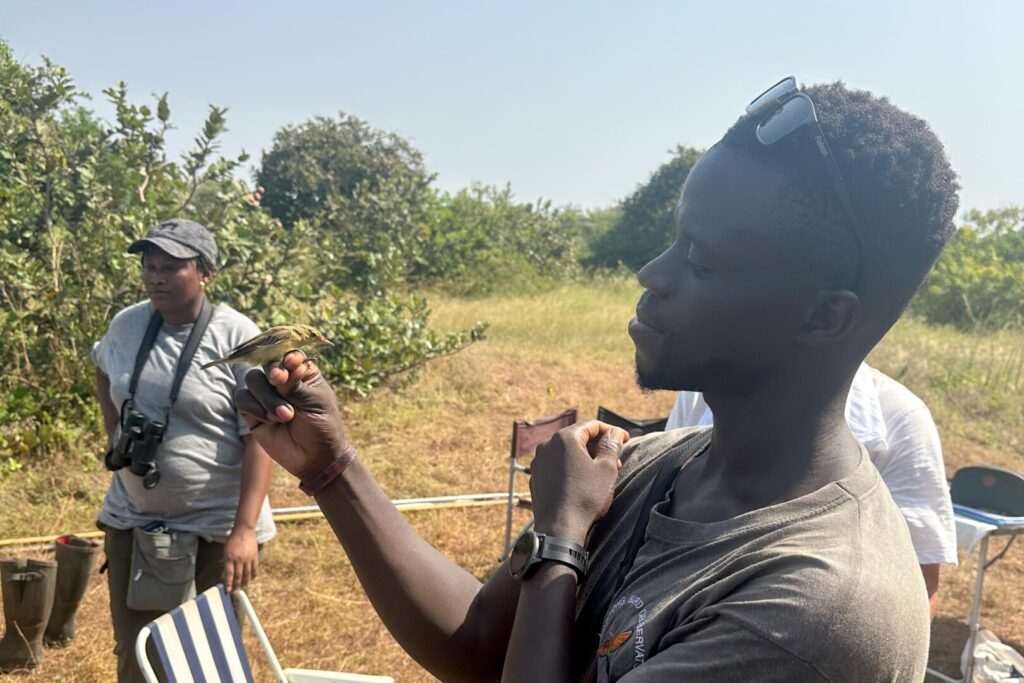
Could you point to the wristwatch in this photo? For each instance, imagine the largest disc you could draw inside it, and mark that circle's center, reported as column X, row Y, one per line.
column 531, row 548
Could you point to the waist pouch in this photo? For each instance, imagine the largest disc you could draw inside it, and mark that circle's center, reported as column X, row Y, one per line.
column 163, row 569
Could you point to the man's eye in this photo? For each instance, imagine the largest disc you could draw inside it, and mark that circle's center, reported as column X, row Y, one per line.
column 698, row 269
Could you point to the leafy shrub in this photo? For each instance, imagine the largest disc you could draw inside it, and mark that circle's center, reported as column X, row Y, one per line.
column 381, row 224
column 979, row 280
column 647, row 224
column 310, row 167
column 482, row 241
column 78, row 191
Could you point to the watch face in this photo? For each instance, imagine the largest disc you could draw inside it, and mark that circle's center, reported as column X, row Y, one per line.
column 524, row 550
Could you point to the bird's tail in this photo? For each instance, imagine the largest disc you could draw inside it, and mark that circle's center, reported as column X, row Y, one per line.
column 212, row 363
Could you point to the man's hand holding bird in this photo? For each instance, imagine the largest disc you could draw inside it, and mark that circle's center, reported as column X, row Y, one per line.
column 293, row 413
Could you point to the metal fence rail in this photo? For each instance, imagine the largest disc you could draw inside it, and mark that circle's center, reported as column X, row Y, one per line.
column 303, row 512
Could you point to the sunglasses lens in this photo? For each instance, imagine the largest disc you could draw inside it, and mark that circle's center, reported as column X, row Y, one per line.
column 790, row 116
column 772, row 94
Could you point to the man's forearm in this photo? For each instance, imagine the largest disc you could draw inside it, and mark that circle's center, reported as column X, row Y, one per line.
column 439, row 613
column 539, row 649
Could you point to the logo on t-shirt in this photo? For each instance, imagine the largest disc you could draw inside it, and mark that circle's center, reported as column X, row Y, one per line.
column 614, row 643
column 625, row 622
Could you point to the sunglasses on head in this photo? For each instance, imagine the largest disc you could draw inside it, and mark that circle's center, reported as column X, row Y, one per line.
column 785, row 111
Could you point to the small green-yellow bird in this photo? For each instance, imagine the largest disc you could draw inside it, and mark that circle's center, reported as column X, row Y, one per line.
column 273, row 344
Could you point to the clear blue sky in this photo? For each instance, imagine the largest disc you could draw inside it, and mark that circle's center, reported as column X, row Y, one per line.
column 576, row 102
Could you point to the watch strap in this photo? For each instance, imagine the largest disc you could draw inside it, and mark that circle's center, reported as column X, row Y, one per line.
column 563, row 551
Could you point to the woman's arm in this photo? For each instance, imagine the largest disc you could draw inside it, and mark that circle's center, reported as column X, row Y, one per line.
column 110, row 413
column 241, row 553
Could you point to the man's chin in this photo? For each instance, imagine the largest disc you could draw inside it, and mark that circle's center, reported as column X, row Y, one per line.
column 666, row 377
column 653, row 381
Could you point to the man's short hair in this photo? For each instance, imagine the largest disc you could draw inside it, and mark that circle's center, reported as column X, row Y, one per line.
column 903, row 191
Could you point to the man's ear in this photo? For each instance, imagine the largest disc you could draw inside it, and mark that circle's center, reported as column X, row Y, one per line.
column 832, row 315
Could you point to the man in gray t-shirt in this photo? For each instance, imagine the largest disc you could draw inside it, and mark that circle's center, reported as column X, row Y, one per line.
column 805, row 586
column 765, row 549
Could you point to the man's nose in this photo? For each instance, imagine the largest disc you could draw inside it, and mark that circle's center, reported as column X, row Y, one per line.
column 656, row 276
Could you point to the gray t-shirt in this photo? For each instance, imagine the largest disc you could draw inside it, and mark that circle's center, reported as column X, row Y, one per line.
column 200, row 458
column 825, row 587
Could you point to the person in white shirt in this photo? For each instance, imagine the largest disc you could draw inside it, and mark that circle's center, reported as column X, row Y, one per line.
column 900, row 436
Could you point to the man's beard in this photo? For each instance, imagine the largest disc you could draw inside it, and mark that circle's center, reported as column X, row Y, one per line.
column 653, row 380
column 667, row 375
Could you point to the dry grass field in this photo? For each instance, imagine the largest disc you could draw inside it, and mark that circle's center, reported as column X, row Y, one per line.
column 449, row 433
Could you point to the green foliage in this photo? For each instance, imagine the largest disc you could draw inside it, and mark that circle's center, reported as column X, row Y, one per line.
column 311, row 167
column 647, row 224
column 366, row 190
column 78, row 191
column 979, row 280
column 381, row 225
column 482, row 241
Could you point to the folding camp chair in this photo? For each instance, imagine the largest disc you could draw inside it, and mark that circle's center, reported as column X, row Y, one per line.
column 526, row 436
column 635, row 427
column 200, row 640
column 988, row 500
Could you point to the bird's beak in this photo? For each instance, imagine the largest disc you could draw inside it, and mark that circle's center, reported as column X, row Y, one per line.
column 327, row 341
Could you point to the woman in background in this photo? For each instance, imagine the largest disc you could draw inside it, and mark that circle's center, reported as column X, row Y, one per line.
column 188, row 501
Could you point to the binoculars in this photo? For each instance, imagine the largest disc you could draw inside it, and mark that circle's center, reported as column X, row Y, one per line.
column 136, row 448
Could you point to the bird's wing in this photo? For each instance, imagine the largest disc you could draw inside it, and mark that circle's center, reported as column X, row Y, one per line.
column 270, row 337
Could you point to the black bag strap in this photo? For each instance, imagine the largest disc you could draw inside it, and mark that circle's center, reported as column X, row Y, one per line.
column 668, row 470
column 156, row 321
column 189, row 351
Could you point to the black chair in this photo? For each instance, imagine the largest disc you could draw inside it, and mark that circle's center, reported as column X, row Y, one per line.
column 526, row 436
column 995, row 491
column 992, row 489
column 635, row 427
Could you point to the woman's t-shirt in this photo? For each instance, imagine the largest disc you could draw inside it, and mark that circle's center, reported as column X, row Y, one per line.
column 200, row 458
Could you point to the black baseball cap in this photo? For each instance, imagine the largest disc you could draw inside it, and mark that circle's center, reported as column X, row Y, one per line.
column 180, row 238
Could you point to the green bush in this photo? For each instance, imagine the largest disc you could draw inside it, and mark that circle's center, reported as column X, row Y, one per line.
column 978, row 282
column 646, row 226
column 367, row 192
column 78, row 191
column 482, row 241
column 382, row 225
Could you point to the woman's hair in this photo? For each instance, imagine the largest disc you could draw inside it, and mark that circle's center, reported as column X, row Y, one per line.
column 203, row 265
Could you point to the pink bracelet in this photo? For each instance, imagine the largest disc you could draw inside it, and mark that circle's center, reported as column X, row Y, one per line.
column 313, row 486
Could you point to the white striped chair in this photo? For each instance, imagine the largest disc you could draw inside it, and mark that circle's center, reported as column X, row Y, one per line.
column 200, row 641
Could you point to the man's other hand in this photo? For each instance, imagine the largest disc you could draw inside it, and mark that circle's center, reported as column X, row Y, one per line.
column 573, row 478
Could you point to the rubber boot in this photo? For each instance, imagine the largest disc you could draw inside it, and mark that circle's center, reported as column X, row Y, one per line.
column 28, row 598
column 75, row 559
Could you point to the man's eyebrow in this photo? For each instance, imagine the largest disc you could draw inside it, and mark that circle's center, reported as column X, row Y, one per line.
column 696, row 240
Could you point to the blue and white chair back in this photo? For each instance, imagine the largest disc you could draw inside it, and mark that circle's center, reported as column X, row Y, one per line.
column 199, row 641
